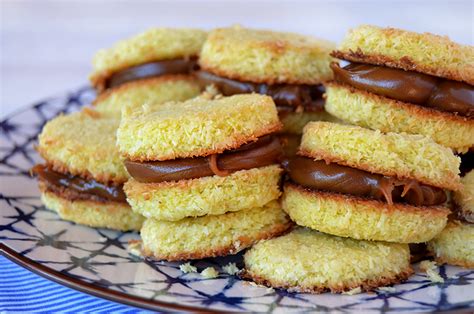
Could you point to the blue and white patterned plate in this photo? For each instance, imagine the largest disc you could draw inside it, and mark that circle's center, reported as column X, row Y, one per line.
column 97, row 262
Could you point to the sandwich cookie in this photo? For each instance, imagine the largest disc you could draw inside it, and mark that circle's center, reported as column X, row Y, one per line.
column 400, row 81
column 201, row 157
column 154, row 66
column 354, row 182
column 288, row 67
column 211, row 236
column 309, row 261
column 83, row 175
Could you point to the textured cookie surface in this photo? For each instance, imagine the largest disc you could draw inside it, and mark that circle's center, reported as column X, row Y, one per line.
column 454, row 245
column 205, row 196
column 153, row 45
column 111, row 215
column 309, row 261
column 154, row 90
column 358, row 218
column 464, row 198
column 210, row 236
column 425, row 53
column 83, row 144
column 266, row 57
column 294, row 122
column 387, row 115
column 196, row 127
column 392, row 154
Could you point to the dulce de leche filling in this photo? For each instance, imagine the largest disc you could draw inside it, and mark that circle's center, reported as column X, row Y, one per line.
column 287, row 97
column 332, row 177
column 152, row 69
column 75, row 187
column 409, row 86
column 264, row 152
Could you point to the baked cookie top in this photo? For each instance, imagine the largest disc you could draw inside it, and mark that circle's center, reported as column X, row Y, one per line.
column 425, row 53
column 262, row 56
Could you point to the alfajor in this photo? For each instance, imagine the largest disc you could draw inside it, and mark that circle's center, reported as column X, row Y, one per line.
column 83, row 175
column 400, row 81
column 364, row 184
column 201, row 157
column 154, row 66
column 288, row 67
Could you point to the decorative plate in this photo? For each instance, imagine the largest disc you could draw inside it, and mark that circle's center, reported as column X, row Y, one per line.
column 96, row 260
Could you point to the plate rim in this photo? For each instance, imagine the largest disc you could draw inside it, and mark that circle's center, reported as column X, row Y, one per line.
column 94, row 290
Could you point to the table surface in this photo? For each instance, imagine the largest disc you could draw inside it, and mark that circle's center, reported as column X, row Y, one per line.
column 47, row 46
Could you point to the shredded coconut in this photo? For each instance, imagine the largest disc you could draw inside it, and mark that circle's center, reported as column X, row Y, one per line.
column 431, row 270
column 209, row 272
column 231, row 269
column 188, row 268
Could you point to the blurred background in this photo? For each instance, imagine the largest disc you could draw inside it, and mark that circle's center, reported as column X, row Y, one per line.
column 47, row 46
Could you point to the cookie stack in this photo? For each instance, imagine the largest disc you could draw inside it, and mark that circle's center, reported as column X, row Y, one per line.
column 400, row 81
column 205, row 173
column 386, row 179
column 288, row 67
column 357, row 183
column 83, row 175
column 155, row 66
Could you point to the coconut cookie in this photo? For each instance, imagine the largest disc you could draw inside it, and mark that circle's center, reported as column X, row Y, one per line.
column 82, row 178
column 202, row 156
column 354, row 182
column 455, row 244
column 211, row 236
column 308, row 261
column 288, row 67
column 400, row 81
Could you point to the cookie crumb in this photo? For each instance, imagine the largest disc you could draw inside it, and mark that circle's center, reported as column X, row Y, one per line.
column 231, row 269
column 353, row 291
column 135, row 248
column 209, row 273
column 431, row 270
column 188, row 268
column 387, row 289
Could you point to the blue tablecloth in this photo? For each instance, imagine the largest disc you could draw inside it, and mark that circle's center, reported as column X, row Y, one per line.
column 22, row 291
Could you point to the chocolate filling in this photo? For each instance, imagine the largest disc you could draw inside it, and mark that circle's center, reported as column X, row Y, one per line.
column 152, row 69
column 467, row 162
column 408, row 86
column 75, row 187
column 264, row 152
column 287, row 97
column 346, row 180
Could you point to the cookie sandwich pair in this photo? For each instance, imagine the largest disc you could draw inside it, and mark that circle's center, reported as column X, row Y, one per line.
column 205, row 173
column 152, row 67
column 83, row 175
